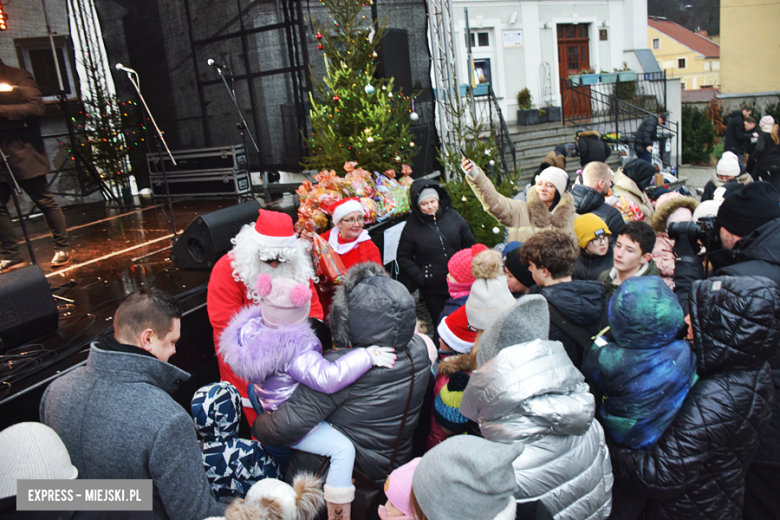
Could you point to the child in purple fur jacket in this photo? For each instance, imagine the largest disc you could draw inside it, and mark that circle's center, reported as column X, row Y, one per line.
column 274, row 348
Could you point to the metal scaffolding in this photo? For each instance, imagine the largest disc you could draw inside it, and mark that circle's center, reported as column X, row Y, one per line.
column 441, row 30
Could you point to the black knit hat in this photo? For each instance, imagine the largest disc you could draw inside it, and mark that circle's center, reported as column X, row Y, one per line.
column 749, row 208
column 518, row 269
column 639, row 171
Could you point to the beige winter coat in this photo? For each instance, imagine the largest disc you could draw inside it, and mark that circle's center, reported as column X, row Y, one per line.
column 523, row 219
column 623, row 185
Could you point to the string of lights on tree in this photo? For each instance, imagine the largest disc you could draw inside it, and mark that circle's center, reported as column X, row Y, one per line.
column 355, row 116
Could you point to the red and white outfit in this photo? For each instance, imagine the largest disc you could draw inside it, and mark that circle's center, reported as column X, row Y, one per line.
column 351, row 252
column 356, row 251
column 232, row 282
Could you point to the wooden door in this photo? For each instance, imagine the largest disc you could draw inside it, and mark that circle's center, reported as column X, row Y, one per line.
column 574, row 56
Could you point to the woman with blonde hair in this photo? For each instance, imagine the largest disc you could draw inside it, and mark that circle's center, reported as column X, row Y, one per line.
column 767, row 152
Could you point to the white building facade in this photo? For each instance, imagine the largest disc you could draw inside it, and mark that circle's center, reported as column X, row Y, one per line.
column 534, row 43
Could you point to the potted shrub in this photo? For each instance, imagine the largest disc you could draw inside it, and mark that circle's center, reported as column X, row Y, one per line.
column 542, row 115
column 553, row 114
column 608, row 77
column 588, row 77
column 625, row 73
column 525, row 114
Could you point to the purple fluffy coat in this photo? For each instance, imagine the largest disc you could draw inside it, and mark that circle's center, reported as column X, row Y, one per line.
column 276, row 360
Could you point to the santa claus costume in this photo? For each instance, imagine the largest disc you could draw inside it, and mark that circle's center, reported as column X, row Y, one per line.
column 351, row 251
column 232, row 282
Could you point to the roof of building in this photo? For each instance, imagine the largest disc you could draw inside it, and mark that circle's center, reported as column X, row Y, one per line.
column 695, row 42
column 647, row 60
column 702, row 95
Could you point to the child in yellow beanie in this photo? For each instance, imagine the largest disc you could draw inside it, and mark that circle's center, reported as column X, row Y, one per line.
column 595, row 249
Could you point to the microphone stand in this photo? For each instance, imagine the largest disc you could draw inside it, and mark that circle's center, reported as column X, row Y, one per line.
column 14, row 189
column 160, row 139
column 243, row 126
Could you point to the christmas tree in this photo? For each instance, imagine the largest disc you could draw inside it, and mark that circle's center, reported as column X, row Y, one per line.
column 479, row 145
column 356, row 117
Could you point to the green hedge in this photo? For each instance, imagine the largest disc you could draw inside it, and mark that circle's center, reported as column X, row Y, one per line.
column 698, row 136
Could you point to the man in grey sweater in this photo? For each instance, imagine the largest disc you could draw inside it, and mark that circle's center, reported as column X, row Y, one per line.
column 116, row 415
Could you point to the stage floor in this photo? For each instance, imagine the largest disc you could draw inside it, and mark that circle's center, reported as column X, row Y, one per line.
column 104, row 240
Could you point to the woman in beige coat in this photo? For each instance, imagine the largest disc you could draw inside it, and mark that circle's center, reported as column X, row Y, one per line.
column 631, row 180
column 549, row 206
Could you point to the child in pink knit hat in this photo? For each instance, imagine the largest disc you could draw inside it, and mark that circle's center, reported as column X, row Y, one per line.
column 459, row 281
column 274, row 348
column 398, row 488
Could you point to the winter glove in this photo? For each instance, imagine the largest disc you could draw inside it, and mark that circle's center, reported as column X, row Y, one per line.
column 382, row 356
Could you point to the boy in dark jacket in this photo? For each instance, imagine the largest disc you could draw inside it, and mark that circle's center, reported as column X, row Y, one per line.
column 551, row 256
column 646, row 135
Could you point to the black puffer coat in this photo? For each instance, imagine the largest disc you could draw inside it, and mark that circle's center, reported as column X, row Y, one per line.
column 647, row 133
column 588, row 200
column 369, row 309
column 592, row 148
column 759, row 254
column 736, row 136
column 697, row 468
column 589, row 267
column 582, row 303
column 427, row 244
column 766, row 155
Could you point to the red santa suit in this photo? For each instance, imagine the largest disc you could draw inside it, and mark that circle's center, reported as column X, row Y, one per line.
column 232, row 282
column 351, row 252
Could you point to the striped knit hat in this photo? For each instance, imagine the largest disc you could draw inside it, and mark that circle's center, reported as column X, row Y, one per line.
column 446, row 407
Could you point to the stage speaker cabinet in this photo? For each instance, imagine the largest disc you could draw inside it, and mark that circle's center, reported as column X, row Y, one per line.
column 207, row 238
column 393, row 59
column 27, row 308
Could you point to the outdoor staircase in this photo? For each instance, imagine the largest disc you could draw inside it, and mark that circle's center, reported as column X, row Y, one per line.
column 532, row 143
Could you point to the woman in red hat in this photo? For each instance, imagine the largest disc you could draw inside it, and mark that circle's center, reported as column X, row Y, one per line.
column 349, row 240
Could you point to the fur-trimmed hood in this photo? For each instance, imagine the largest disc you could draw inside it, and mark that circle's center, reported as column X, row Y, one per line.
column 372, row 309
column 663, row 211
column 461, row 363
column 542, row 217
column 255, row 351
column 744, row 178
column 590, row 134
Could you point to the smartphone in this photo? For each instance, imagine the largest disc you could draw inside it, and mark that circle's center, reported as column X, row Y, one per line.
column 462, row 152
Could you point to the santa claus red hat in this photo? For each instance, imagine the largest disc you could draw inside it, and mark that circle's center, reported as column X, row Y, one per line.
column 456, row 333
column 275, row 229
column 344, row 207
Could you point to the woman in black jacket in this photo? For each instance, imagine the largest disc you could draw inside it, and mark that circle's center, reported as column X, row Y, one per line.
column 767, row 153
column 697, row 468
column 433, row 233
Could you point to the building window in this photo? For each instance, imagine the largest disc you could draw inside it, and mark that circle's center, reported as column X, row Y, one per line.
column 482, row 70
column 656, row 43
column 35, row 55
column 715, row 65
column 681, row 63
column 480, row 39
column 602, row 35
column 682, row 85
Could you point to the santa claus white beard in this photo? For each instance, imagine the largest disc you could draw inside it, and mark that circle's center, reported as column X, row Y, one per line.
column 250, row 261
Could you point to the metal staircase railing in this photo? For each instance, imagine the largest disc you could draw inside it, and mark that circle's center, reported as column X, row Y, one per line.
column 619, row 108
column 490, row 115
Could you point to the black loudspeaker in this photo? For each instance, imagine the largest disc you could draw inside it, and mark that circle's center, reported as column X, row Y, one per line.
column 393, row 59
column 421, row 163
column 27, row 308
column 207, row 238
